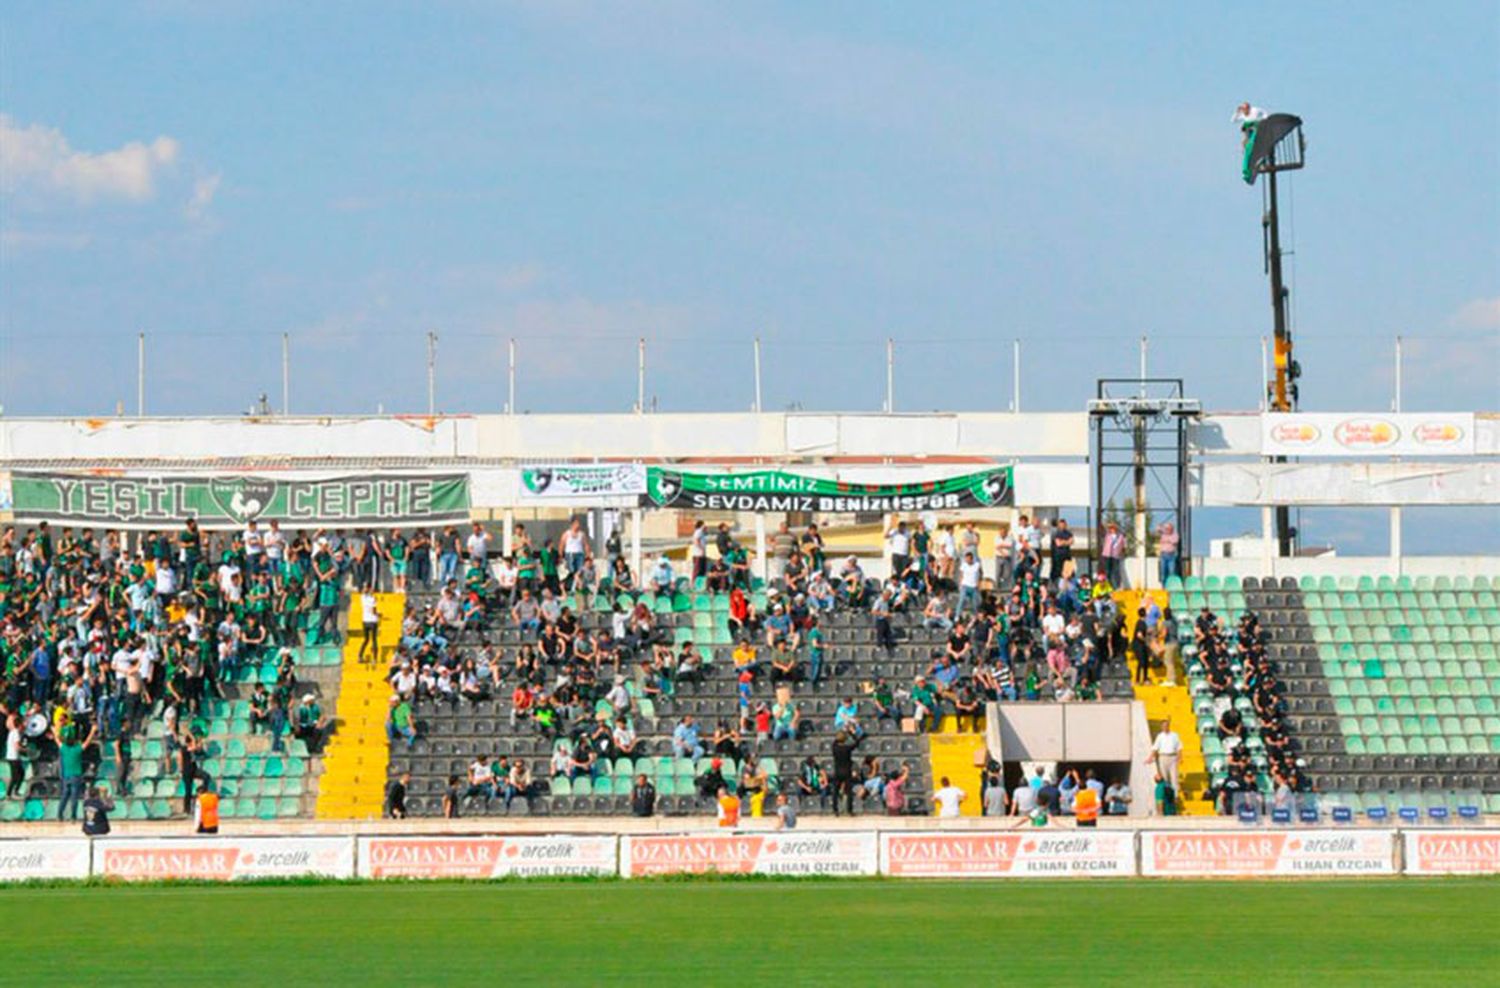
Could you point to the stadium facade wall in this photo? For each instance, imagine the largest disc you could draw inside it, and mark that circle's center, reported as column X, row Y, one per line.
column 1025, row 853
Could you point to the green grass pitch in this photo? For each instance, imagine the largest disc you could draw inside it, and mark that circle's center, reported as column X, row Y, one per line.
column 1361, row 931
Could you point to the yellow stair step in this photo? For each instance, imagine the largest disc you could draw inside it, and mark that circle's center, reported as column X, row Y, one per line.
column 357, row 759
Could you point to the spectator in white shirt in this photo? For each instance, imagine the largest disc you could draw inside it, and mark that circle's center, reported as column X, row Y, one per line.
column 1166, row 751
column 898, row 542
column 948, row 799
column 254, row 546
column 969, row 573
column 478, row 545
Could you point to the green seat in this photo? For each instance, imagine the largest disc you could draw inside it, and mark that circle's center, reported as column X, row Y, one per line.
column 289, row 806
column 266, row 808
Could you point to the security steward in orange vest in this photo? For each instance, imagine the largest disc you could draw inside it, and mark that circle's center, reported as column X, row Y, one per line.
column 206, row 810
column 1086, row 807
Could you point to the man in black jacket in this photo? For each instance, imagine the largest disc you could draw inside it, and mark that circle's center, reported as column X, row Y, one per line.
column 395, row 796
column 96, row 813
column 710, row 782
column 843, row 770
column 643, row 797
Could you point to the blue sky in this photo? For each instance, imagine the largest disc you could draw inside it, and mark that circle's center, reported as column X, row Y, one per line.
column 824, row 176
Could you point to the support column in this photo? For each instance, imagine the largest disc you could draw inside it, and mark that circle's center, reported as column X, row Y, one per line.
column 760, row 546
column 1143, row 560
column 1396, row 561
column 635, row 545
column 1267, row 542
column 508, row 533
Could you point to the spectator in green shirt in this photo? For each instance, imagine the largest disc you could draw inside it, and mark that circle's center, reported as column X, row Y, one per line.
column 925, row 698
column 70, row 765
column 401, row 723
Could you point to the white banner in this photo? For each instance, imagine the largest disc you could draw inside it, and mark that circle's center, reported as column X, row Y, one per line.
column 24, row 859
column 1021, row 853
column 1332, row 434
column 485, row 857
column 1452, row 852
column 567, row 480
column 780, row 853
column 224, row 858
column 1268, row 852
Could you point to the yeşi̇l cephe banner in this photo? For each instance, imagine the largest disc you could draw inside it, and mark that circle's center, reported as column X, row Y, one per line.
column 159, row 500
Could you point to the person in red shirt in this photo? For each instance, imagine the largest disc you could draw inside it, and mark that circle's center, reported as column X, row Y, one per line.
column 762, row 721
column 520, row 702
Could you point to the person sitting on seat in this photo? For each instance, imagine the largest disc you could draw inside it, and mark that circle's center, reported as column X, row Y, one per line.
column 685, row 743
column 662, row 577
column 812, row 781
column 785, row 667
column 625, row 740
column 781, row 636
column 711, row 781
column 642, row 797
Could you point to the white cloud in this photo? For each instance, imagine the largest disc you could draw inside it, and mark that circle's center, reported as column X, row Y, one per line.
column 1481, row 313
column 204, row 190
column 39, row 159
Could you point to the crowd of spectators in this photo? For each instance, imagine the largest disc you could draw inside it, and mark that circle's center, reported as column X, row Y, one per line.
column 1043, row 794
column 102, row 634
column 1248, row 705
column 1029, row 625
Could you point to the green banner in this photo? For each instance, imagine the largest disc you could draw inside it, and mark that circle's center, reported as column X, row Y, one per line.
column 161, row 500
column 774, row 490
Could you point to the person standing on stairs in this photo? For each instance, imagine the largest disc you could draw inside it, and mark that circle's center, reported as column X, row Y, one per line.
column 843, row 771
column 369, row 614
column 1140, row 650
column 1166, row 752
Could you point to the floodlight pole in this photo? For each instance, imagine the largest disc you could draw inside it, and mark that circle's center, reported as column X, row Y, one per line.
column 1281, row 398
column 1276, row 144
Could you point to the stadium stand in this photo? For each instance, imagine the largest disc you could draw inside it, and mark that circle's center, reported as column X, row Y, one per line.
column 1389, row 685
column 179, row 664
column 466, row 745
